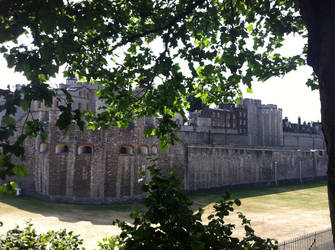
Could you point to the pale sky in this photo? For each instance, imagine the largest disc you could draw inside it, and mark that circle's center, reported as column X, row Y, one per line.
column 289, row 93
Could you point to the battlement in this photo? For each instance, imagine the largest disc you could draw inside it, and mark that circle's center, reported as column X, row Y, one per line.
column 309, row 128
column 250, row 123
column 225, row 146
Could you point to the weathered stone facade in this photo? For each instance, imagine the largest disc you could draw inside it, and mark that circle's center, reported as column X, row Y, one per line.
column 104, row 173
column 215, row 166
column 232, row 145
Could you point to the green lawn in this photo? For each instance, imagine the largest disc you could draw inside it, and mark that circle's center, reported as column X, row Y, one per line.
column 306, row 196
column 295, row 196
column 280, row 212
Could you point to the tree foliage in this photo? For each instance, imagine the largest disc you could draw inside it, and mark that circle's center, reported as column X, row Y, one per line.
column 169, row 222
column 195, row 102
column 28, row 238
column 148, row 56
column 166, row 222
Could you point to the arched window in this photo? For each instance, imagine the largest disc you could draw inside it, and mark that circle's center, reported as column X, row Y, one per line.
column 154, row 150
column 43, row 147
column 126, row 150
column 62, row 149
column 85, row 150
column 144, row 150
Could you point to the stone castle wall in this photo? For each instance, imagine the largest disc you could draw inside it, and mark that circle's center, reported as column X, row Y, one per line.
column 106, row 175
column 216, row 166
column 230, row 146
column 299, row 140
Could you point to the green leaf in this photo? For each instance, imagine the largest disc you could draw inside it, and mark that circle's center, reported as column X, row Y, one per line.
column 9, row 120
column 163, row 146
column 42, row 77
column 44, row 136
column 13, row 184
column 20, row 170
column 25, row 104
column 250, row 27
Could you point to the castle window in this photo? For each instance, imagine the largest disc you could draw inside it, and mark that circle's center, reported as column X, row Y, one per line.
column 43, row 147
column 39, row 105
column 87, row 106
column 126, row 150
column 144, row 150
column 84, row 150
column 88, row 95
column 79, row 106
column 154, row 150
column 62, row 149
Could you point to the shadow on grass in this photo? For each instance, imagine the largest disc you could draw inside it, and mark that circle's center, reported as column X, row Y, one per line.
column 105, row 214
column 96, row 214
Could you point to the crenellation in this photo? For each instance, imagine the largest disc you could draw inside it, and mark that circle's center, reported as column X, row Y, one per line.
column 234, row 144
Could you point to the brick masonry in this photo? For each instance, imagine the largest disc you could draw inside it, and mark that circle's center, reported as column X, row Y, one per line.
column 247, row 144
column 108, row 175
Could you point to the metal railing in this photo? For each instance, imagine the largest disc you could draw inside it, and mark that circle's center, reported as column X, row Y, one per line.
column 321, row 240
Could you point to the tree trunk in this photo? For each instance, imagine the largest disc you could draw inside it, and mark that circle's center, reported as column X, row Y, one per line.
column 320, row 21
column 327, row 96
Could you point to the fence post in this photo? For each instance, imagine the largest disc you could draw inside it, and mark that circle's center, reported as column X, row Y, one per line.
column 276, row 174
column 309, row 241
column 300, row 172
